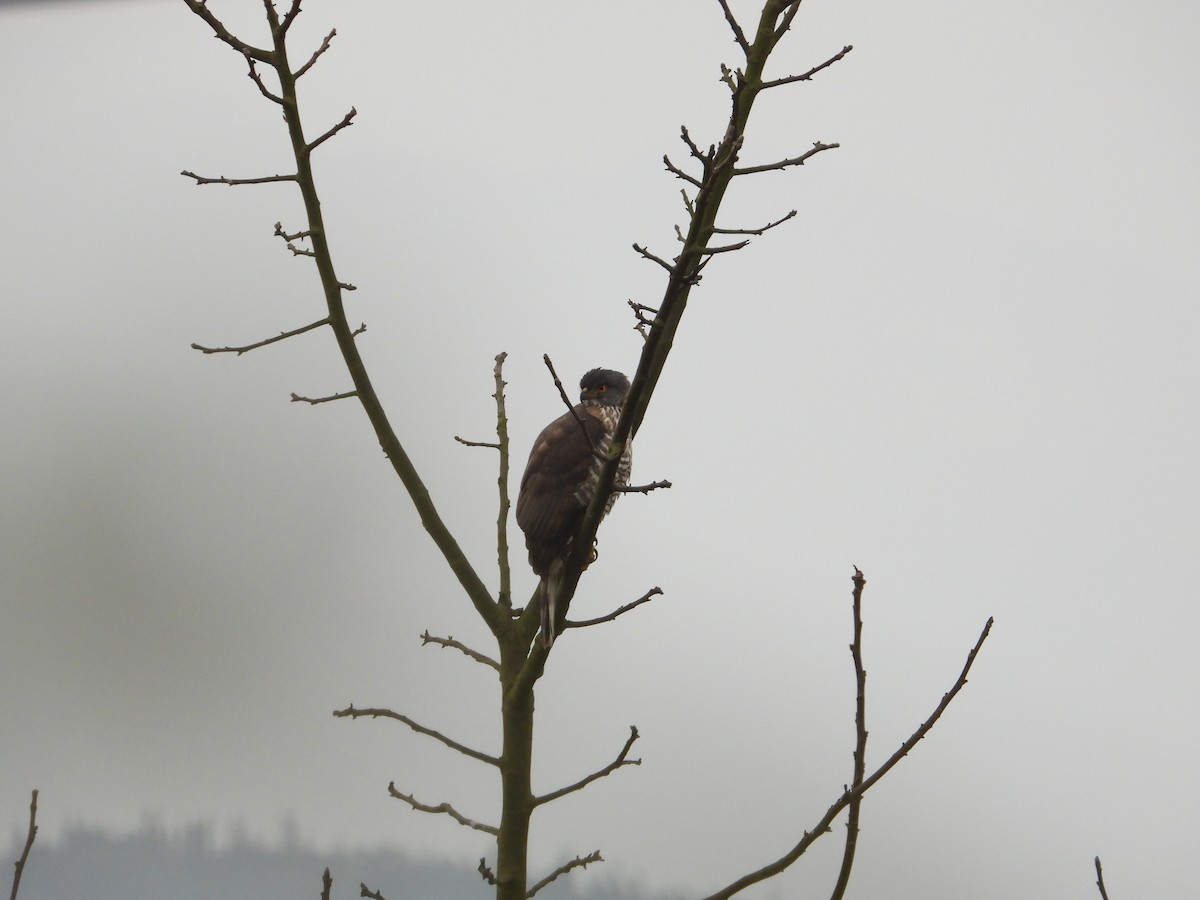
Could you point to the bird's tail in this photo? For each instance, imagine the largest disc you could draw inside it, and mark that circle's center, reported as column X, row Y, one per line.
column 549, row 596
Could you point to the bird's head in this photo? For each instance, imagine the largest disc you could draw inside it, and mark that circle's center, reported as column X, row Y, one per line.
column 603, row 387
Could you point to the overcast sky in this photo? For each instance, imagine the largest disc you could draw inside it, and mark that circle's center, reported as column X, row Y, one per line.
column 968, row 366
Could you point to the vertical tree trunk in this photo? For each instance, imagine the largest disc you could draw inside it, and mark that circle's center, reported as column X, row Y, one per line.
column 516, row 762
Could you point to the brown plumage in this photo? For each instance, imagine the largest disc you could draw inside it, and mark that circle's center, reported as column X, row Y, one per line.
column 561, row 476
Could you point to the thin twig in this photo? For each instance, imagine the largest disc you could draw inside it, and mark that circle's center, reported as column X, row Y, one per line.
column 444, row 808
column 347, row 121
column 807, row 76
column 428, row 638
column 650, row 256
column 818, row 147
column 1100, row 880
column 353, row 713
column 640, row 488
column 200, row 8
column 326, row 884
column 645, row 598
column 502, row 556
column 577, row 862
column 313, row 401
column 33, row 830
column 727, row 248
column 283, row 335
column 823, row 825
column 274, row 98
column 758, row 231
column 570, row 406
column 738, row 34
column 312, row 60
column 267, row 179
column 679, row 173
column 487, row 874
column 493, row 445
column 599, row 773
column 364, row 891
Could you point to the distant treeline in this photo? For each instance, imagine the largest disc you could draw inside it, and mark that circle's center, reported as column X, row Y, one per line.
column 88, row 863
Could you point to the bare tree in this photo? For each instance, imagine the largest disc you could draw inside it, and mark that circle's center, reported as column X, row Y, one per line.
column 519, row 661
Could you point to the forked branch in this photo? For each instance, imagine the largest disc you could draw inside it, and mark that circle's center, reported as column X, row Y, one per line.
column 823, row 825
column 621, row 760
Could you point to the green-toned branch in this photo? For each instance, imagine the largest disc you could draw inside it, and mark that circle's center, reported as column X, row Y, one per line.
column 823, row 825
column 502, row 557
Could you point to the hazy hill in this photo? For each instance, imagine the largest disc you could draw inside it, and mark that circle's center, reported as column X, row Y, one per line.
column 90, row 864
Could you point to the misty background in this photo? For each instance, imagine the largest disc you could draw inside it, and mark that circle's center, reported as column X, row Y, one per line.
column 968, row 366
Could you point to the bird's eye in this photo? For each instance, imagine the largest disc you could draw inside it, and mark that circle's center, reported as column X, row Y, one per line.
column 602, row 388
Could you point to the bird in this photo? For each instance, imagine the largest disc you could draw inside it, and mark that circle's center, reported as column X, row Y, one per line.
column 561, row 477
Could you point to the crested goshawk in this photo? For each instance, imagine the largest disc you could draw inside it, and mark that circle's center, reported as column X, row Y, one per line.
column 561, row 477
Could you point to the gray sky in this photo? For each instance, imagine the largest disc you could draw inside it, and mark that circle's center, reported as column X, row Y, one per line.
column 968, row 366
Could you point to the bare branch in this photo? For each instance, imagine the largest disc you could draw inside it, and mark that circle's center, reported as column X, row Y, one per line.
column 643, row 323
column 283, row 335
column 502, row 560
column 347, row 121
column 598, row 774
column 364, row 891
column 679, row 173
column 759, row 231
column 567, row 400
column 279, row 232
column 33, row 830
column 687, row 203
column 727, row 248
column 258, row 80
column 353, row 713
column 818, row 147
column 493, row 445
column 692, row 148
column 290, row 16
column 860, row 743
column 326, row 884
column 650, row 256
column 577, row 862
column 738, row 34
column 640, row 488
column 793, row 8
column 267, row 179
column 645, row 598
column 488, row 875
column 428, row 638
column 1100, row 880
column 807, row 76
column 313, row 401
column 200, row 8
column 312, row 60
column 444, row 808
column 823, row 826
